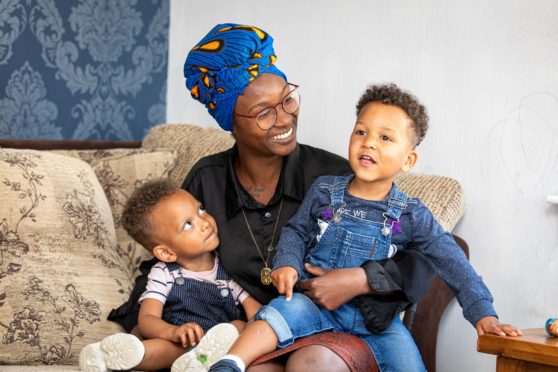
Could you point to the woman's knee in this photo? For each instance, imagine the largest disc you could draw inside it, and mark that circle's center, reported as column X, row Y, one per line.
column 315, row 358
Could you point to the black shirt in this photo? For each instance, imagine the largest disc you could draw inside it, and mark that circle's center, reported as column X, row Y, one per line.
column 213, row 182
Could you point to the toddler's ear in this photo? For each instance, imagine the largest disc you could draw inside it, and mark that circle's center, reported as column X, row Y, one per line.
column 410, row 162
column 164, row 253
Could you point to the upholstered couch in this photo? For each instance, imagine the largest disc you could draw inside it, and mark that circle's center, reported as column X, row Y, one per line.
column 65, row 260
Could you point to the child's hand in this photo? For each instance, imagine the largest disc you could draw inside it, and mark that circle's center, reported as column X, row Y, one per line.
column 491, row 325
column 284, row 279
column 188, row 334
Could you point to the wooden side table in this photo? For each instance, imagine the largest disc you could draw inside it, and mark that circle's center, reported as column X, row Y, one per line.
column 534, row 351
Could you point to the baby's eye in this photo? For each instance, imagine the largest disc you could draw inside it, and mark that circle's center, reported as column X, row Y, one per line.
column 187, row 226
column 201, row 211
column 385, row 138
column 360, row 132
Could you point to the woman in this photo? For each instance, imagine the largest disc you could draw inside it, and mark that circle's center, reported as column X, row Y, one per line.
column 253, row 188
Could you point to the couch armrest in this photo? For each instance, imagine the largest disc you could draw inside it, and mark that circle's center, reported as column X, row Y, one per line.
column 66, row 144
column 423, row 319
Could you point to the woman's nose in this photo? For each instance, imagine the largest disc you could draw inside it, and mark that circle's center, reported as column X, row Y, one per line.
column 283, row 119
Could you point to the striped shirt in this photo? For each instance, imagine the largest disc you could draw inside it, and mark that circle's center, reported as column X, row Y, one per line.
column 161, row 279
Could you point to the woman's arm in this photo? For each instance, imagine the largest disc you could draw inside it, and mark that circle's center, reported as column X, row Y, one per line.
column 332, row 288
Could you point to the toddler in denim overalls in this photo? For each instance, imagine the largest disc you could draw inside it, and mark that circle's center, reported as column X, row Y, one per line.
column 344, row 222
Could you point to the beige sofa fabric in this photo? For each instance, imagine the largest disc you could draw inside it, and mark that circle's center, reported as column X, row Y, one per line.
column 442, row 195
column 120, row 172
column 59, row 273
column 190, row 141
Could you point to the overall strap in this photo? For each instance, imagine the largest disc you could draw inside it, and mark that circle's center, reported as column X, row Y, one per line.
column 172, row 266
column 338, row 191
column 396, row 204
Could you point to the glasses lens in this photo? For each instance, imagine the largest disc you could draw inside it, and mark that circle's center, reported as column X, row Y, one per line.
column 291, row 102
column 266, row 118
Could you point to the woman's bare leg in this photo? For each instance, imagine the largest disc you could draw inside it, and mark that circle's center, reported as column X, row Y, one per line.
column 315, row 358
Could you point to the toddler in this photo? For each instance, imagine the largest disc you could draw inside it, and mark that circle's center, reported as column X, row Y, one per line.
column 188, row 293
column 347, row 222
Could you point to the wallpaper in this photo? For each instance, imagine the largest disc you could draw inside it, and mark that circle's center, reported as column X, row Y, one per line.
column 82, row 69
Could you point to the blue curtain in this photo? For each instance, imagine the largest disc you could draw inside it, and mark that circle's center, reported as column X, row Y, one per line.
column 82, row 69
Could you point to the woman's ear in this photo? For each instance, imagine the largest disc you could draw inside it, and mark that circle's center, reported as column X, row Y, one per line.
column 164, row 253
column 410, row 162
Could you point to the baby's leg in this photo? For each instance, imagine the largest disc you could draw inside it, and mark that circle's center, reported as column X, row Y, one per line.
column 257, row 339
column 159, row 354
column 278, row 324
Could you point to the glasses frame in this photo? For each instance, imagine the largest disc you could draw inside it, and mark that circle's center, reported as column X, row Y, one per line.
column 295, row 87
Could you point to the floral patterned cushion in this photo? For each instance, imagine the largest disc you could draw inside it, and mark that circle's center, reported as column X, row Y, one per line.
column 60, row 274
column 120, row 171
column 119, row 176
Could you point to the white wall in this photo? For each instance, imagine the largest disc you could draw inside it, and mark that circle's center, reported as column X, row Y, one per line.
column 487, row 71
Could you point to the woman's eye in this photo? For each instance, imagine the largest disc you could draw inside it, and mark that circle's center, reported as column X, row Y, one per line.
column 264, row 114
column 187, row 226
column 201, row 211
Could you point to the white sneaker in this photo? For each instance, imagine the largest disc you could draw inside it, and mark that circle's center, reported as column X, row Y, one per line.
column 212, row 347
column 120, row 351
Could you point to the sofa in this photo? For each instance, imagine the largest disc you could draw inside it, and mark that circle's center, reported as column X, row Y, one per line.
column 66, row 261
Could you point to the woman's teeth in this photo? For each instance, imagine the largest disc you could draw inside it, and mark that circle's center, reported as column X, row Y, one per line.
column 283, row 135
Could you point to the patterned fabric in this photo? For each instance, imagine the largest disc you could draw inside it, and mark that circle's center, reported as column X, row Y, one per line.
column 82, row 69
column 120, row 172
column 59, row 274
column 223, row 63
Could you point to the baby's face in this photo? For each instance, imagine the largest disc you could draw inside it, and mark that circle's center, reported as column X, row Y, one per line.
column 180, row 222
column 381, row 145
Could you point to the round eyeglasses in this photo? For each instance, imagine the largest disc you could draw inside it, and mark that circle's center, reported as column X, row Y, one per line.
column 267, row 118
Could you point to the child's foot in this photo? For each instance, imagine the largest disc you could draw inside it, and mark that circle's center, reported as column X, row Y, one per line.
column 215, row 344
column 117, row 352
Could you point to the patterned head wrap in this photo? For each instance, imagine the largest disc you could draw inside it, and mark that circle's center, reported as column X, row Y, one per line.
column 223, row 63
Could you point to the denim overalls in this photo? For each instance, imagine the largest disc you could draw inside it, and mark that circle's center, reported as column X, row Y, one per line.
column 192, row 300
column 347, row 242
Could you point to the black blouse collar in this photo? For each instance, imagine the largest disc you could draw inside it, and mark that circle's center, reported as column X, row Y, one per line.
column 291, row 183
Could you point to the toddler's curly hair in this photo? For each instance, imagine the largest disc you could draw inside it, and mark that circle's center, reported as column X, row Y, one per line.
column 136, row 217
column 391, row 94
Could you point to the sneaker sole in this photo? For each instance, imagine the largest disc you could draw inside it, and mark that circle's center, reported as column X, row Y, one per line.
column 91, row 358
column 212, row 347
column 122, row 351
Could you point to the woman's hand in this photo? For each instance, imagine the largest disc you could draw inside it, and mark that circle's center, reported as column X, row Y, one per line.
column 491, row 325
column 332, row 288
column 188, row 334
column 284, row 279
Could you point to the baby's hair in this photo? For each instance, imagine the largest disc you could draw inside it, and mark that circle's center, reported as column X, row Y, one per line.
column 136, row 217
column 391, row 94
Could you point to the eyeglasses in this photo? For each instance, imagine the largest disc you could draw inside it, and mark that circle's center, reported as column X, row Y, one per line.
column 266, row 118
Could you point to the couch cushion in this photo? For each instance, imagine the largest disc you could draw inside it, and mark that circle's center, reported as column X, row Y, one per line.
column 120, row 171
column 190, row 141
column 60, row 274
column 442, row 195
column 119, row 176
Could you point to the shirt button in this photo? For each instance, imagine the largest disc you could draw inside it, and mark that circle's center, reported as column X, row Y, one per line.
column 267, row 214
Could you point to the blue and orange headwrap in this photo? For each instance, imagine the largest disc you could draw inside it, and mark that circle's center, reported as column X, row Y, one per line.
column 223, row 63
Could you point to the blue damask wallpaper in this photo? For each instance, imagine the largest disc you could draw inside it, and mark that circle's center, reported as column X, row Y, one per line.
column 82, row 69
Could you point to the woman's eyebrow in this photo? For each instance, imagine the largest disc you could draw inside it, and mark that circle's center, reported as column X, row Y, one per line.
column 265, row 103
